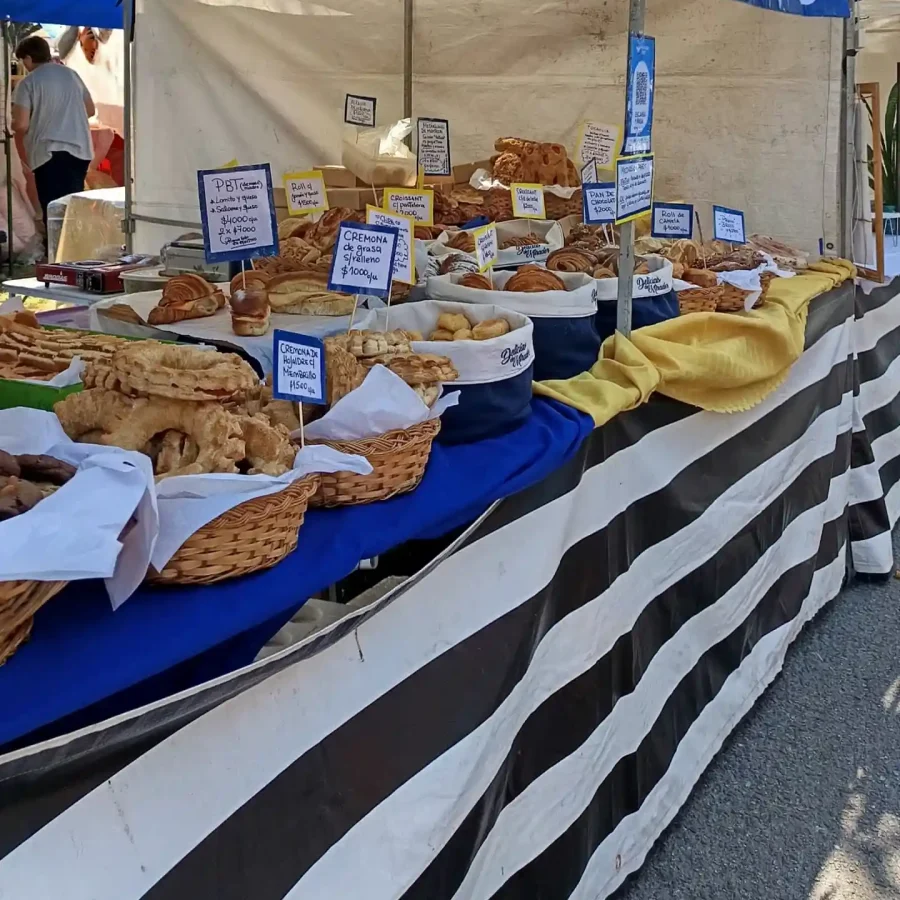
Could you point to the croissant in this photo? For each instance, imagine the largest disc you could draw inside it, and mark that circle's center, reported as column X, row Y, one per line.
column 533, row 279
column 569, row 259
column 190, row 309
column 185, row 287
column 476, row 280
column 462, row 240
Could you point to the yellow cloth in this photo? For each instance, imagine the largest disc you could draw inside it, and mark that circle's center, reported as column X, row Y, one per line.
column 716, row 361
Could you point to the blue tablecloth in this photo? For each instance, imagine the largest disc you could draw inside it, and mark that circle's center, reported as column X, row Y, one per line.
column 82, row 653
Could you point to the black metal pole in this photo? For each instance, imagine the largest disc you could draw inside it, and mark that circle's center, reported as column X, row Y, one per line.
column 8, row 147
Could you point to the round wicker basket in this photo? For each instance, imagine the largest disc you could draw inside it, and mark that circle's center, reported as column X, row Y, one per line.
column 254, row 535
column 19, row 601
column 398, row 461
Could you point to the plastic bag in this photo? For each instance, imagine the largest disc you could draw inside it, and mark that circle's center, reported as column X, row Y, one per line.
column 378, row 156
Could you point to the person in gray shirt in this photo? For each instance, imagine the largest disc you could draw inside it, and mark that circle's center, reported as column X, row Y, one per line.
column 50, row 112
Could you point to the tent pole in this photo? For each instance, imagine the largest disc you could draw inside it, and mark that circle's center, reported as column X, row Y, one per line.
column 847, row 150
column 8, row 148
column 128, row 222
column 407, row 58
column 636, row 10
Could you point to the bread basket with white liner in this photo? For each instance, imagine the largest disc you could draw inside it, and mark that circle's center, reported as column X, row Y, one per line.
column 654, row 283
column 218, row 526
column 565, row 336
column 495, row 374
column 231, row 488
column 653, row 297
column 67, row 512
column 388, row 423
column 519, row 241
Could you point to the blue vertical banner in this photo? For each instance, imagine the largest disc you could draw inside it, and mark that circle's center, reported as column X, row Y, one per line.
column 639, row 94
column 838, row 9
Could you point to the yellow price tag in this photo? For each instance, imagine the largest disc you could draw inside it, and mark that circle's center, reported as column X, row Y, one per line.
column 305, row 192
column 528, row 201
column 418, row 204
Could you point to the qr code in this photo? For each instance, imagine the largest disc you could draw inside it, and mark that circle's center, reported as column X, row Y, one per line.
column 641, row 87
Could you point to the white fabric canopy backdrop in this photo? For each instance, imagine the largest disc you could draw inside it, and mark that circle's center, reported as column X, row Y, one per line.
column 746, row 110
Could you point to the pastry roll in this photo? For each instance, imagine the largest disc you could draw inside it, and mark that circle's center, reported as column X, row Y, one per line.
column 490, row 328
column 452, row 322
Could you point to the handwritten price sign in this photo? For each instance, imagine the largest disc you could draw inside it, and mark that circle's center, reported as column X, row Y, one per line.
column 599, row 203
column 404, row 258
column 238, row 213
column 433, row 146
column 598, row 143
column 418, row 204
column 305, row 193
column 728, row 225
column 359, row 110
column 528, row 201
column 486, row 247
column 363, row 260
column 299, row 370
column 672, row 220
column 634, row 187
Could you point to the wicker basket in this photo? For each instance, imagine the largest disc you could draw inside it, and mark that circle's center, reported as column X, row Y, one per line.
column 732, row 299
column 696, row 300
column 254, row 535
column 19, row 601
column 722, row 298
column 398, row 459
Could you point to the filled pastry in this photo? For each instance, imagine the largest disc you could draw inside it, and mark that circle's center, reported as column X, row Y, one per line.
column 250, row 312
column 306, row 293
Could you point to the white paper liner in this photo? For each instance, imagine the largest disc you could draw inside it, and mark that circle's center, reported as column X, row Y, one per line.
column 71, row 375
column 579, row 300
column 548, row 231
column 75, row 532
column 478, row 362
column 482, row 180
column 383, row 402
column 188, row 502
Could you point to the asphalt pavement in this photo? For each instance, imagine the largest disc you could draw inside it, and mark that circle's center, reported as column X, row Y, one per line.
column 803, row 802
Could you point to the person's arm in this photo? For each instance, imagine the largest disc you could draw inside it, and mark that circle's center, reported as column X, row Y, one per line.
column 21, row 119
column 89, row 107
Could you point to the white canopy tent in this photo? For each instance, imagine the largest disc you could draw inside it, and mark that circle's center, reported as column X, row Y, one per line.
column 747, row 110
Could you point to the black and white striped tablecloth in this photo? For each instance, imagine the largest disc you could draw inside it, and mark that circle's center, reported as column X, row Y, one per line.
column 523, row 717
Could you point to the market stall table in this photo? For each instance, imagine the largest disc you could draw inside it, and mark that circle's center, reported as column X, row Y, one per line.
column 82, row 653
column 33, row 287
